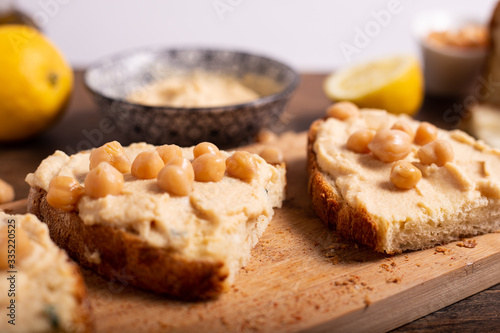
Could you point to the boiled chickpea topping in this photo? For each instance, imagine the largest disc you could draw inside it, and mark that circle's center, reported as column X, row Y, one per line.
column 390, row 145
column 266, row 136
column 167, row 152
column 205, row 148
column 437, row 152
column 403, row 126
column 64, row 193
column 6, row 192
column 176, row 179
column 184, row 164
column 426, row 133
column 342, row 110
column 113, row 153
column 209, row 168
column 272, row 155
column 173, row 173
column 147, row 165
column 23, row 246
column 104, row 180
column 242, row 165
column 359, row 140
column 405, row 175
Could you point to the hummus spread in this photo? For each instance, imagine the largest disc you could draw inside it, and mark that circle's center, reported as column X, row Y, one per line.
column 213, row 221
column 196, row 90
column 45, row 281
column 443, row 194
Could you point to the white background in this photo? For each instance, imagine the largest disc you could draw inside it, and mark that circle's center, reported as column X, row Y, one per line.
column 307, row 34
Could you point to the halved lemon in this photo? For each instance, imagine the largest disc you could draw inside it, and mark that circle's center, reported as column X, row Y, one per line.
column 394, row 84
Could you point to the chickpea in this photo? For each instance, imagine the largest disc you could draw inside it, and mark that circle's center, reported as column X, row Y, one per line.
column 147, row 165
column 205, row 148
column 104, row 180
column 242, row 165
column 405, row 175
column 6, row 192
column 175, row 180
column 184, row 164
column 403, row 126
column 390, row 145
column 359, row 140
column 167, row 152
column 266, row 136
column 438, row 152
column 113, row 153
column 272, row 155
column 426, row 133
column 342, row 110
column 64, row 193
column 209, row 168
column 23, row 246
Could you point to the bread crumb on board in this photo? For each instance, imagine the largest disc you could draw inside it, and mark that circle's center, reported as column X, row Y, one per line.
column 224, row 321
column 467, row 243
column 368, row 301
column 266, row 136
column 386, row 267
column 389, row 267
column 395, row 279
column 442, row 249
column 352, row 285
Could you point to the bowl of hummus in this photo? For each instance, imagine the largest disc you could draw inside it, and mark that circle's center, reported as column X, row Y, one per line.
column 186, row 96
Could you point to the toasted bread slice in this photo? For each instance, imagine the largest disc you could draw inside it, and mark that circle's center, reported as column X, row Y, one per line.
column 353, row 193
column 43, row 288
column 189, row 247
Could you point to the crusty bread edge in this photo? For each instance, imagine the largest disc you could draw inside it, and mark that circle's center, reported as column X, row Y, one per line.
column 127, row 259
column 332, row 209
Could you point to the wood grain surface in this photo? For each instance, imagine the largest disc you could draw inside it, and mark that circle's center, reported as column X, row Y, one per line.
column 301, row 277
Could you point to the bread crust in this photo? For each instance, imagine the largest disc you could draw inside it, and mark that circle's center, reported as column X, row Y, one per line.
column 331, row 207
column 128, row 259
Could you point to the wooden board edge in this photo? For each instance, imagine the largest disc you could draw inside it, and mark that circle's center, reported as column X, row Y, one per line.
column 15, row 207
column 426, row 298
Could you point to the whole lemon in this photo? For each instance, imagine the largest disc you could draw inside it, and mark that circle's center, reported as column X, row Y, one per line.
column 35, row 82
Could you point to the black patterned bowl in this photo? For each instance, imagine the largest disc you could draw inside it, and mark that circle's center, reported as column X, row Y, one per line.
column 111, row 80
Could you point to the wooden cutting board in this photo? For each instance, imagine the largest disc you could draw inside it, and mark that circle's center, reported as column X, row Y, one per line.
column 303, row 277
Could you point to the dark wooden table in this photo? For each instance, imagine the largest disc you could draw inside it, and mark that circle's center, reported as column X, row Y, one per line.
column 80, row 129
